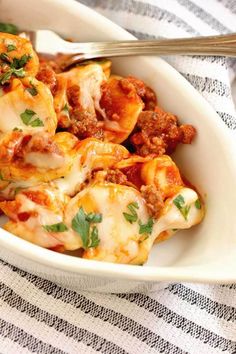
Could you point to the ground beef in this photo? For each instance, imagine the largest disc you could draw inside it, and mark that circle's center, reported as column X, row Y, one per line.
column 85, row 125
column 82, row 124
column 133, row 174
column 158, row 132
column 154, row 200
column 48, row 76
column 116, row 176
column 40, row 142
column 147, row 95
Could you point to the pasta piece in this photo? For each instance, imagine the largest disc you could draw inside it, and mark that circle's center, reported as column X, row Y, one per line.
column 17, row 52
column 119, row 240
column 36, row 158
column 36, row 215
column 92, row 154
column 122, row 106
column 182, row 211
column 114, row 225
column 89, row 79
column 164, row 174
column 20, row 110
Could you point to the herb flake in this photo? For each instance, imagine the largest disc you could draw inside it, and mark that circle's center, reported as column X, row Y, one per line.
column 198, row 204
column 59, row 227
column 18, row 63
column 32, row 90
column 66, row 108
column 8, row 28
column 132, row 216
column 11, row 47
column 94, row 239
column 27, row 119
column 179, row 202
column 94, row 217
column 5, row 77
column 146, row 228
column 81, row 224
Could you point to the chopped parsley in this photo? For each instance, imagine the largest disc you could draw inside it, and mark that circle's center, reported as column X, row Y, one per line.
column 18, row 189
column 27, row 119
column 66, row 108
column 179, row 202
column 81, row 223
column 11, row 47
column 198, row 204
column 15, row 67
column 18, row 63
column 94, row 239
column 17, row 130
column 94, row 217
column 132, row 216
column 8, row 28
column 5, row 77
column 1, row 176
column 32, row 90
column 146, row 228
column 59, row 227
column 4, row 57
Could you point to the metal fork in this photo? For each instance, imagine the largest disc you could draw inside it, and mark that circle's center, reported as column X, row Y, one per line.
column 49, row 43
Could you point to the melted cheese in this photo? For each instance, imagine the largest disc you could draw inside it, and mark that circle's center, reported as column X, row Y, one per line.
column 45, row 161
column 40, row 215
column 91, row 154
column 73, row 180
column 89, row 79
column 119, row 239
column 15, row 102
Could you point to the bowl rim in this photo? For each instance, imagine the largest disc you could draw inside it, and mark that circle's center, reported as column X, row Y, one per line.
column 81, row 266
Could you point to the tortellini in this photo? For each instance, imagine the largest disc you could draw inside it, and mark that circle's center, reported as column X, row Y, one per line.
column 66, row 182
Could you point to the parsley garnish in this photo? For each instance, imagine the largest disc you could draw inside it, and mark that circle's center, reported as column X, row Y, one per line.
column 5, row 77
column 15, row 67
column 1, row 176
column 8, row 28
column 81, row 224
column 198, row 204
column 11, row 47
column 17, row 130
column 94, row 239
column 18, row 63
column 94, row 217
column 179, row 202
column 27, row 116
column 59, row 227
column 18, row 189
column 32, row 90
column 133, row 216
column 146, row 228
column 4, row 57
column 66, row 108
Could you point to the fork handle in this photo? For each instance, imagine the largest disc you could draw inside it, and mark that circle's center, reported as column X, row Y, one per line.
column 223, row 45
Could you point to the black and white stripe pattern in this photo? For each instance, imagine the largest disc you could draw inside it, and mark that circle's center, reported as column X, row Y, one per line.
column 38, row 316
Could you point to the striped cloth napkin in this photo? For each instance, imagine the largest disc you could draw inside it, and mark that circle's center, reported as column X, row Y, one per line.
column 37, row 316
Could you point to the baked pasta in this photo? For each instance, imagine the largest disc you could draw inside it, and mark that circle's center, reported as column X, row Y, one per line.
column 85, row 159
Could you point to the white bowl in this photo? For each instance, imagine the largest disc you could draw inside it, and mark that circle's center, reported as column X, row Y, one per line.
column 206, row 253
